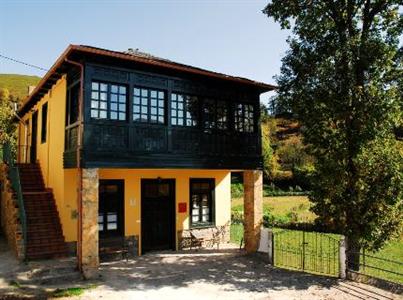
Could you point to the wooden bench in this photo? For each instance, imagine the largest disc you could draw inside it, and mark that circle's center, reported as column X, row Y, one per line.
column 114, row 246
column 191, row 238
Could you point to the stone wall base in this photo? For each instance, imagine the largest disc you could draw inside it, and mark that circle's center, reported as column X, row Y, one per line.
column 71, row 248
column 132, row 243
column 380, row 283
column 10, row 221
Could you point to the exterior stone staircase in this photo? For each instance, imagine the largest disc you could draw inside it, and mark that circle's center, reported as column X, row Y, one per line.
column 44, row 232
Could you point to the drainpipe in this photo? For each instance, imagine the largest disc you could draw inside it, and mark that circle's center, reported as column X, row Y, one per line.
column 79, row 170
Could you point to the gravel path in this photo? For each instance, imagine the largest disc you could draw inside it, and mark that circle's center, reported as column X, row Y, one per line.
column 227, row 274
column 224, row 274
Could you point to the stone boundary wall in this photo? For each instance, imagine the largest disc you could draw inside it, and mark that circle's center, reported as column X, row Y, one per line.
column 393, row 287
column 10, row 222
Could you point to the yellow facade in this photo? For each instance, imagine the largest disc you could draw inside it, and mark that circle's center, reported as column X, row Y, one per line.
column 63, row 182
column 132, row 203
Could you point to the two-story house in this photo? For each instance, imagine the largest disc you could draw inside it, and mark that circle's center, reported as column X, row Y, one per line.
column 125, row 144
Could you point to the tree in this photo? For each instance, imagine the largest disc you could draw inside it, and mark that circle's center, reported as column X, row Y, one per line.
column 7, row 127
column 270, row 165
column 342, row 80
column 264, row 112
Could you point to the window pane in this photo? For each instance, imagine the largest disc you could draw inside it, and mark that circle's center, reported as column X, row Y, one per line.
column 104, row 87
column 112, row 217
column 114, row 88
column 112, row 226
column 102, row 114
column 95, row 86
column 94, row 113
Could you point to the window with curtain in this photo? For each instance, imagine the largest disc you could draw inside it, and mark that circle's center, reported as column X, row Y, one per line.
column 202, row 202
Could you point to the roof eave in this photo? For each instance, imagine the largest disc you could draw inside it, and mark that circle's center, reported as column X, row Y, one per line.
column 40, row 91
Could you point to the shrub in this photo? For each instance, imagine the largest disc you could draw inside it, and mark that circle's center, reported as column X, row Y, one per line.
column 237, row 190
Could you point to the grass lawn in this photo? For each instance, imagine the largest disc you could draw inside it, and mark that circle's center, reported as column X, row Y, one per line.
column 392, row 251
column 281, row 206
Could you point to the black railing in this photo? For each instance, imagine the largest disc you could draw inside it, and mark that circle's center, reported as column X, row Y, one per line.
column 8, row 157
column 159, row 146
column 311, row 252
column 378, row 267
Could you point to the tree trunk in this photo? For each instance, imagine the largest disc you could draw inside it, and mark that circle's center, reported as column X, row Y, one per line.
column 353, row 254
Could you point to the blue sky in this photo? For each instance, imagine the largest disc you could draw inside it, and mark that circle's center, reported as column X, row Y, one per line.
column 228, row 36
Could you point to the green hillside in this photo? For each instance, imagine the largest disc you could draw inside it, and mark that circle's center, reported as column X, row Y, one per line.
column 18, row 84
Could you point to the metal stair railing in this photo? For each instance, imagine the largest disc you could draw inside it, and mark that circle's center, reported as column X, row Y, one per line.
column 14, row 177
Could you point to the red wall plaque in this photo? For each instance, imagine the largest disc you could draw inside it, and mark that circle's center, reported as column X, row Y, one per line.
column 182, row 207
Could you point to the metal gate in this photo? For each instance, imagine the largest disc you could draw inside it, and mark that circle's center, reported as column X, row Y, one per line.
column 312, row 252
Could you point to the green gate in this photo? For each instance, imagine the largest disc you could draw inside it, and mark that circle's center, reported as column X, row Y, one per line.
column 311, row 252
